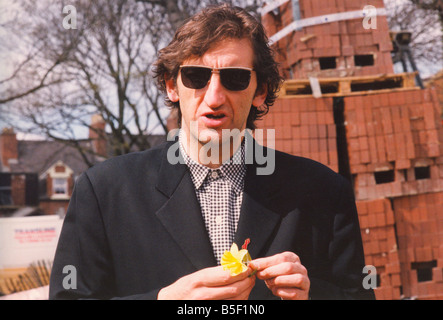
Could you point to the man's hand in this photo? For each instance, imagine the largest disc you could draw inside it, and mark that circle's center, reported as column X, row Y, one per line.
column 210, row 284
column 284, row 275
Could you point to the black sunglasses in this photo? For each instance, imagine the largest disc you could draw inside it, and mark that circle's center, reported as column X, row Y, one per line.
column 232, row 78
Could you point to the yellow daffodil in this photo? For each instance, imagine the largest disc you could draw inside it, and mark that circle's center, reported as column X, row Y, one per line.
column 236, row 261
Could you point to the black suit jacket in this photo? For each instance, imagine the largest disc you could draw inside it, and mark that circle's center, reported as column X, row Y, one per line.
column 134, row 226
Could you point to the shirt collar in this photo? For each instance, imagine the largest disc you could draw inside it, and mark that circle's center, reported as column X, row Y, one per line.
column 233, row 169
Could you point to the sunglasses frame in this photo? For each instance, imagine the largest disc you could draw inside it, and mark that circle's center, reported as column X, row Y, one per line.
column 217, row 70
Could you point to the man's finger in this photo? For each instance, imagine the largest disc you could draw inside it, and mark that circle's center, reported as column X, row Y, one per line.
column 285, row 268
column 237, row 290
column 263, row 263
column 290, row 293
column 216, row 276
column 293, row 280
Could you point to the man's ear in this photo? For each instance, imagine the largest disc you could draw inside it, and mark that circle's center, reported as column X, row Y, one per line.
column 171, row 89
column 260, row 96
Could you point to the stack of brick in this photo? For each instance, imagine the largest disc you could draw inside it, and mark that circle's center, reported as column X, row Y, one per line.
column 380, row 245
column 339, row 48
column 396, row 155
column 436, row 81
column 305, row 127
column 396, row 152
column 419, row 224
column 393, row 141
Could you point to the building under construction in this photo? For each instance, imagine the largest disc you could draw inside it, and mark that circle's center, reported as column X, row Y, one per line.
column 343, row 105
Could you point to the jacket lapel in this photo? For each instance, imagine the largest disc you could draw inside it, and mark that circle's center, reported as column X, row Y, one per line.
column 258, row 216
column 181, row 214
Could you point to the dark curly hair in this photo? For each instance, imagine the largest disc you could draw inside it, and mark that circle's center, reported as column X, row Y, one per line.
column 208, row 27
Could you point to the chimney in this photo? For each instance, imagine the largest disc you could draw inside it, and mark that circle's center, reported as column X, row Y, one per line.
column 8, row 147
column 97, row 135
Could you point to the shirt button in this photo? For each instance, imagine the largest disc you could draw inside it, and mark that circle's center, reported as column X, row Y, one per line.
column 218, row 220
column 214, row 174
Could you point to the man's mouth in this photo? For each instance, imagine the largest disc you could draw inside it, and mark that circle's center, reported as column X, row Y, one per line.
column 213, row 116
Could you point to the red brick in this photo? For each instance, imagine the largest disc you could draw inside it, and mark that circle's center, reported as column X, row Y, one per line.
column 296, row 146
column 287, row 146
column 429, row 115
column 352, row 130
column 286, row 132
column 332, row 133
column 347, row 50
column 304, row 132
column 373, row 149
column 305, row 146
column 295, row 118
column 362, row 207
column 354, row 157
column 365, row 156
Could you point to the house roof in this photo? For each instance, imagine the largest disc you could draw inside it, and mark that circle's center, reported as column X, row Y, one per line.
column 37, row 156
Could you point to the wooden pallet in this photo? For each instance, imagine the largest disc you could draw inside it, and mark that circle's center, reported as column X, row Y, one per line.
column 35, row 275
column 332, row 87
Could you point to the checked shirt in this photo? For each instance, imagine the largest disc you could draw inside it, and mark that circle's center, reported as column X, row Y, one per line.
column 219, row 192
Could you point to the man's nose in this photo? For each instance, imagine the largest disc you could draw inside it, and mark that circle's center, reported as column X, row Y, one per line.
column 215, row 95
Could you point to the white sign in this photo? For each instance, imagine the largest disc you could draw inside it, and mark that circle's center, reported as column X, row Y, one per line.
column 25, row 240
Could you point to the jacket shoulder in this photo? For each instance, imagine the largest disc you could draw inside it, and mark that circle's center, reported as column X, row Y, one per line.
column 289, row 164
column 134, row 163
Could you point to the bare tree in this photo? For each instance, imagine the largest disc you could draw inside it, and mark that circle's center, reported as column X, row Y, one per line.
column 180, row 10
column 64, row 76
column 424, row 20
column 101, row 67
column 433, row 5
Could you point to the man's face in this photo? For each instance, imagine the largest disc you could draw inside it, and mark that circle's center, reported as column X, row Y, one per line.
column 215, row 107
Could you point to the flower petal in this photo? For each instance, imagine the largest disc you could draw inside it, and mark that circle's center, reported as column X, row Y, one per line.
column 235, row 261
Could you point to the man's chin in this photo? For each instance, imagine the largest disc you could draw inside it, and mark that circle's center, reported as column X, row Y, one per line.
column 209, row 135
column 211, row 140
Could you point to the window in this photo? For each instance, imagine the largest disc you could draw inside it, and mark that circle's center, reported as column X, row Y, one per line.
column 424, row 270
column 364, row 60
column 58, row 181
column 328, row 63
column 422, row 173
column 384, row 176
column 60, row 186
column 5, row 189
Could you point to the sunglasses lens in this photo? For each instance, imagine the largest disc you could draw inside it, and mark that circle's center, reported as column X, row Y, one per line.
column 235, row 79
column 195, row 77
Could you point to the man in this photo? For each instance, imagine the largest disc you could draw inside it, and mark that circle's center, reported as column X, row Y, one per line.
column 141, row 226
